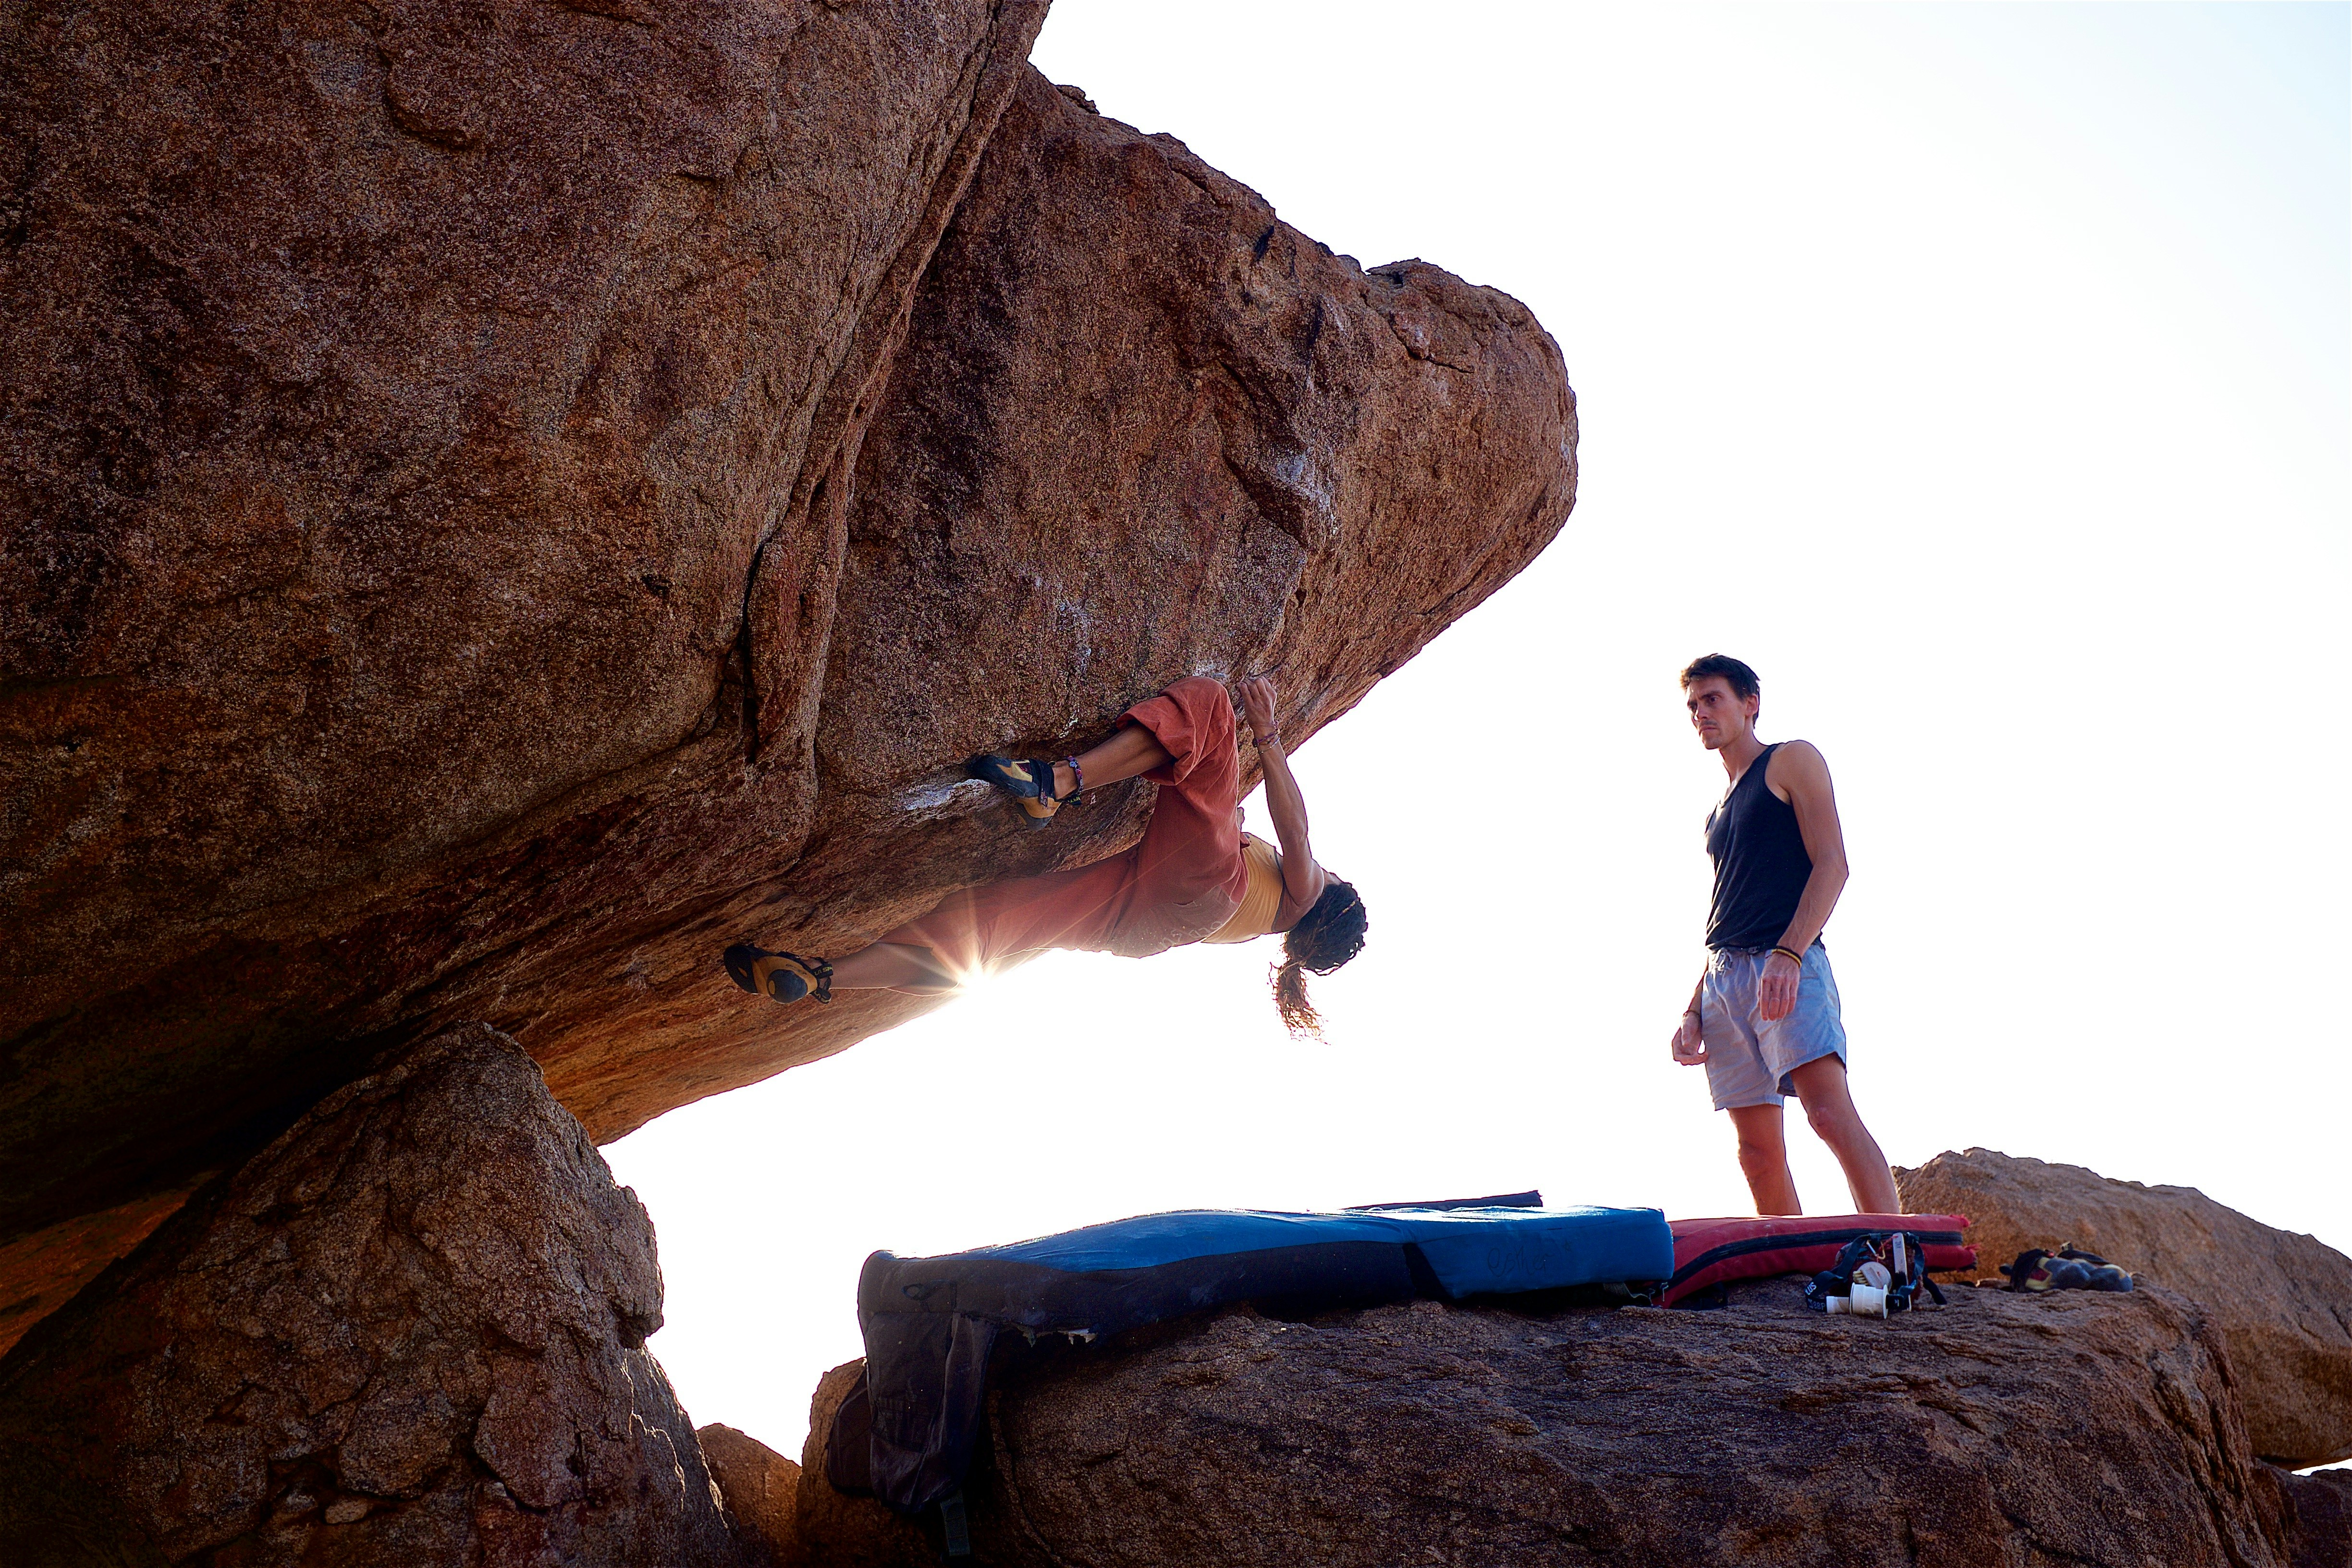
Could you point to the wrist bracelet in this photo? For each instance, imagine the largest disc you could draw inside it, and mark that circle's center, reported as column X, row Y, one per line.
column 1273, row 740
column 1790, row 953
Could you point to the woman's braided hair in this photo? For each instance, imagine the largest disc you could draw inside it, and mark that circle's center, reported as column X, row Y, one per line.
column 1325, row 937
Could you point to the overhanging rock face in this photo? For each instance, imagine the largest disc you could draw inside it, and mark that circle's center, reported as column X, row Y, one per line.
column 1141, row 429
column 502, row 509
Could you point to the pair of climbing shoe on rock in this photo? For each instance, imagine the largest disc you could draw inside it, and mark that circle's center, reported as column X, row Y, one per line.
column 2068, row 1269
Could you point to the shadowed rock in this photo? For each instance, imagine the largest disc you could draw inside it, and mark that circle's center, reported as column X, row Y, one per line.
column 42, row 1271
column 499, row 507
column 845, row 1532
column 2317, row 1511
column 410, row 1331
column 2082, row 1429
column 2281, row 1301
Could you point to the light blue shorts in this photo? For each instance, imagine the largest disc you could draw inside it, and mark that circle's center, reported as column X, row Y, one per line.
column 1747, row 1060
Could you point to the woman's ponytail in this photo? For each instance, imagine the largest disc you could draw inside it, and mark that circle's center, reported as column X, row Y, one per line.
column 1325, row 937
column 1290, row 1000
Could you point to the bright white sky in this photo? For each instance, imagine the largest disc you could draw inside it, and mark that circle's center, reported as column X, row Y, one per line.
column 1980, row 374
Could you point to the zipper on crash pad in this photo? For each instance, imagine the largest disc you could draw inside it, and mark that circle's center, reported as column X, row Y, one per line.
column 952, row 1526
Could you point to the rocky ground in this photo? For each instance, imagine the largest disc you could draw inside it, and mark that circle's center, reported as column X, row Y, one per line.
column 2001, row 1430
column 2281, row 1302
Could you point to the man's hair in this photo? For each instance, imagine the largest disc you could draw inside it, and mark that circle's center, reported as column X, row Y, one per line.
column 1742, row 679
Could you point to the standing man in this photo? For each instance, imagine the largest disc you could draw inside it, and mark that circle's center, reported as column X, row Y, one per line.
column 1764, row 1019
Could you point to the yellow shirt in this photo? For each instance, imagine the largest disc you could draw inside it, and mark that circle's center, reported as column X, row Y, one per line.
column 1263, row 901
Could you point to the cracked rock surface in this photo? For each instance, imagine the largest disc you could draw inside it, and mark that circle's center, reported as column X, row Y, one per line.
column 412, row 1331
column 2281, row 1301
column 1999, row 1431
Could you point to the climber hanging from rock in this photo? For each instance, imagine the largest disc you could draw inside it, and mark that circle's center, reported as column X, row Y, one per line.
column 1194, row 876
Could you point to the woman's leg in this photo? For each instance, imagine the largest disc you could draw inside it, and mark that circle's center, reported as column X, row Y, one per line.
column 1132, row 750
column 1190, row 848
column 891, row 966
column 989, row 929
column 979, row 930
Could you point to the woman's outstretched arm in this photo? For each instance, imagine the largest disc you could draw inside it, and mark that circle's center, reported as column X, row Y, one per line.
column 1302, row 878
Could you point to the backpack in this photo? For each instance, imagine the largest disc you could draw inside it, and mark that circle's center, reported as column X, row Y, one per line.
column 1875, row 1277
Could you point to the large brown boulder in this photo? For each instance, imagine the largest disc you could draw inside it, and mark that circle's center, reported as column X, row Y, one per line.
column 400, row 400
column 499, row 507
column 2282, row 1301
column 2083, row 1429
column 410, row 1333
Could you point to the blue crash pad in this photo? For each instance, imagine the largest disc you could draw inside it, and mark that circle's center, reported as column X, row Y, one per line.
column 1472, row 1251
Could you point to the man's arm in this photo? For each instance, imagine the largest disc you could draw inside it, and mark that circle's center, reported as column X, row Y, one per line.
column 1797, row 774
column 1302, row 878
column 1689, row 1044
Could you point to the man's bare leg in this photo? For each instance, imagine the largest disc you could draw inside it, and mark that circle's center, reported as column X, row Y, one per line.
column 1764, row 1158
column 1821, row 1084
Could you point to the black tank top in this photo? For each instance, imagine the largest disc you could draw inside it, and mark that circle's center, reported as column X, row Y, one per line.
column 1761, row 863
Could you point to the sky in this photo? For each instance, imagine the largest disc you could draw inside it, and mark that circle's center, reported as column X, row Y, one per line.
column 1980, row 374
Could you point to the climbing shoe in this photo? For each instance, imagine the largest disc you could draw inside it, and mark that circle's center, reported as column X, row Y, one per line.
column 1029, row 782
column 2066, row 1274
column 786, row 976
column 2102, row 1275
